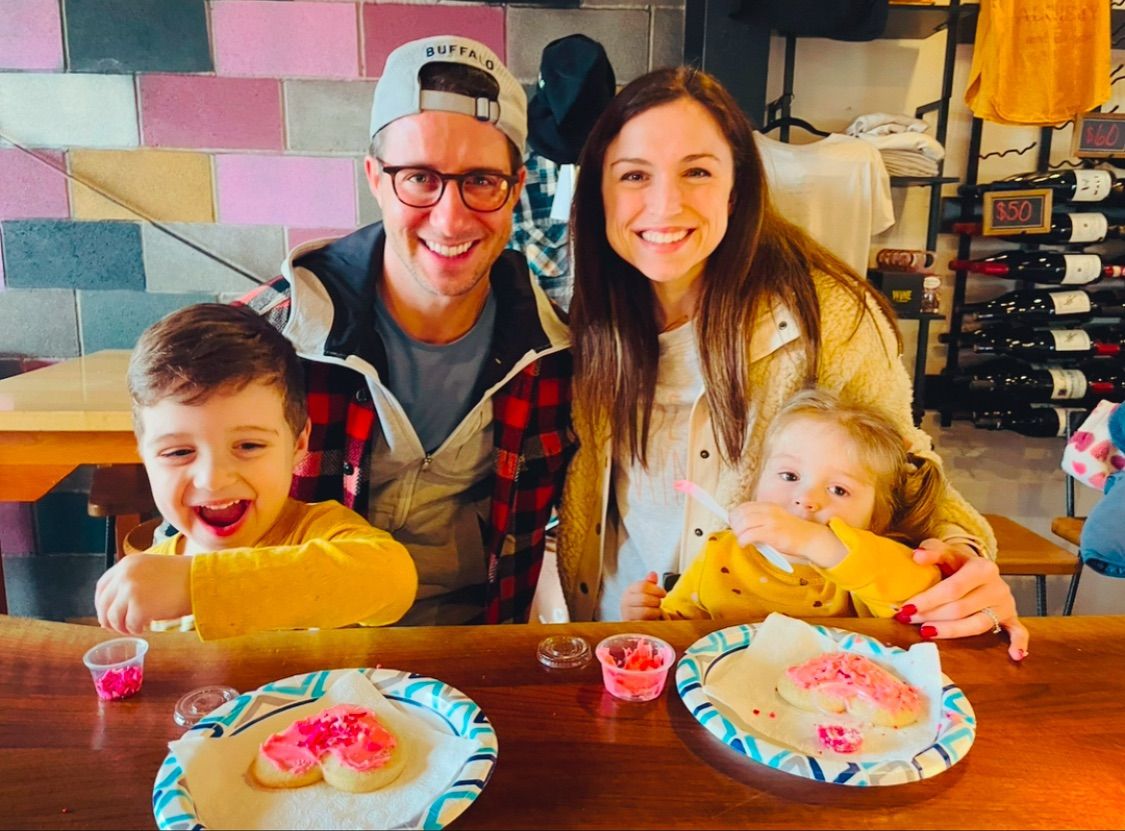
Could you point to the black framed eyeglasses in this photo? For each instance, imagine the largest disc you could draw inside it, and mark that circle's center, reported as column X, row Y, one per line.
column 484, row 191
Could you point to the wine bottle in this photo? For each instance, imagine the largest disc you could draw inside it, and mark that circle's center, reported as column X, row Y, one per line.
column 1035, row 384
column 1050, row 267
column 1066, row 229
column 1041, row 422
column 1031, row 306
column 1066, row 185
column 1045, row 344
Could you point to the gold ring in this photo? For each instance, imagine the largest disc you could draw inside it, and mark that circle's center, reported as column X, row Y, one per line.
column 996, row 630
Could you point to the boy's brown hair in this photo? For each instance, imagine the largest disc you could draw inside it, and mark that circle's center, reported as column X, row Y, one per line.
column 907, row 487
column 195, row 352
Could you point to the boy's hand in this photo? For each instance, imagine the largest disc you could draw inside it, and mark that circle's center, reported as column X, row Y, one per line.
column 641, row 600
column 763, row 522
column 143, row 588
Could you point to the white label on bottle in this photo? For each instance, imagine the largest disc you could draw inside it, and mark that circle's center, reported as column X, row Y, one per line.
column 1071, row 340
column 1091, row 185
column 1070, row 302
column 1068, row 384
column 1081, row 269
column 1088, row 227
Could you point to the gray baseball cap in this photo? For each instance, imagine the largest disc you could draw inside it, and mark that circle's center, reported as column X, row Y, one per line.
column 399, row 93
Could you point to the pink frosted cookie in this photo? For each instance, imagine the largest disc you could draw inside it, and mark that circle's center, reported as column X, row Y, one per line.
column 839, row 682
column 345, row 745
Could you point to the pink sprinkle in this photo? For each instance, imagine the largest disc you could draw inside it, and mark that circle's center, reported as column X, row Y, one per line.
column 773, row 715
column 757, row 712
column 119, row 683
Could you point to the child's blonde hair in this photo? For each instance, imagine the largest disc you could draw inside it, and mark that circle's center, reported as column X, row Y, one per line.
column 907, row 487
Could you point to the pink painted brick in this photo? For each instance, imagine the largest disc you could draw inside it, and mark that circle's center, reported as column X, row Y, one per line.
column 386, row 26
column 29, row 189
column 295, row 39
column 286, row 190
column 211, row 113
column 30, row 34
column 298, row 236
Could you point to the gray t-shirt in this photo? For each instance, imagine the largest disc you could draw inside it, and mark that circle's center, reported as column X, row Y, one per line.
column 434, row 383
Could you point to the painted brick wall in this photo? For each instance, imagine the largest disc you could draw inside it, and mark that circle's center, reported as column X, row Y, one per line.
column 238, row 125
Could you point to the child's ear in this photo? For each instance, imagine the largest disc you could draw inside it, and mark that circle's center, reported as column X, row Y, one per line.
column 301, row 449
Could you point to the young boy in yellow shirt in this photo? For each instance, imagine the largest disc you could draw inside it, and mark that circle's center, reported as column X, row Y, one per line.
column 219, row 410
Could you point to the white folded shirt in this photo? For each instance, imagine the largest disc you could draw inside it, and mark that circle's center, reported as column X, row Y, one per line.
column 877, row 124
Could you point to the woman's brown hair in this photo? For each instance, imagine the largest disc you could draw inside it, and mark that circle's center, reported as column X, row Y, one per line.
column 761, row 258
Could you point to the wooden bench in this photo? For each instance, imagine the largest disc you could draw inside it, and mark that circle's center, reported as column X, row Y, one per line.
column 121, row 495
column 1020, row 551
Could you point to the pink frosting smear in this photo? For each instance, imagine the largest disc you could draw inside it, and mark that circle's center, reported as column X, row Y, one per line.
column 352, row 734
column 848, row 675
column 119, row 683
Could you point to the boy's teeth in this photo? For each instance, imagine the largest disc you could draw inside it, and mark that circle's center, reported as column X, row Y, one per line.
column 663, row 237
column 449, row 250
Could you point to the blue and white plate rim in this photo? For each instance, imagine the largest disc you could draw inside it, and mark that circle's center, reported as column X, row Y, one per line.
column 172, row 804
column 956, row 731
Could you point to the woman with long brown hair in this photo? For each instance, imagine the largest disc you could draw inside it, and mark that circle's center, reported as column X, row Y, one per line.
column 698, row 312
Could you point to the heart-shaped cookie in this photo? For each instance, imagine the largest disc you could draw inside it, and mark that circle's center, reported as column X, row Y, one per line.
column 346, row 745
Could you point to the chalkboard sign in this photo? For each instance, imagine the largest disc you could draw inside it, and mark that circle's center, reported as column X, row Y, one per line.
column 1099, row 135
column 1006, row 211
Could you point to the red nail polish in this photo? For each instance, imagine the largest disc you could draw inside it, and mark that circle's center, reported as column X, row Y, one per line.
column 928, row 632
column 908, row 611
column 902, row 617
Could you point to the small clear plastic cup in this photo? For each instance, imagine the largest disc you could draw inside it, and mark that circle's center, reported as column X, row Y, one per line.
column 117, row 666
column 634, row 666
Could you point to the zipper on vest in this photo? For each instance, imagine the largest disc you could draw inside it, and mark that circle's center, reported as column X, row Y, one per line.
column 426, row 462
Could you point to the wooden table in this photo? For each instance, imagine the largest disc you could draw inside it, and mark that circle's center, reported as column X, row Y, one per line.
column 1049, row 752
column 68, row 414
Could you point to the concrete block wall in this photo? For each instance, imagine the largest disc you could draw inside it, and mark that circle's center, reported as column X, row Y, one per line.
column 237, row 125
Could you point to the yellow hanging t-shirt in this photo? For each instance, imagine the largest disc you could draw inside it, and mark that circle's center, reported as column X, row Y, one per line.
column 1041, row 62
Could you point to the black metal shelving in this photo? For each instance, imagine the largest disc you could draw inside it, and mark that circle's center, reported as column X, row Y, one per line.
column 719, row 38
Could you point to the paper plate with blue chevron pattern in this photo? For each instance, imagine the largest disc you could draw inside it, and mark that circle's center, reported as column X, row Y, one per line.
column 442, row 706
column 956, row 730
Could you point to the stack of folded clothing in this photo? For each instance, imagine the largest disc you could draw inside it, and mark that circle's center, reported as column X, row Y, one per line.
column 902, row 141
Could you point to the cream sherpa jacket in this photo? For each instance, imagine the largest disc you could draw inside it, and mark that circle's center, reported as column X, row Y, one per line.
column 859, row 364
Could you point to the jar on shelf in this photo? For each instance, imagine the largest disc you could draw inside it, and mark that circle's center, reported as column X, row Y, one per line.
column 931, row 300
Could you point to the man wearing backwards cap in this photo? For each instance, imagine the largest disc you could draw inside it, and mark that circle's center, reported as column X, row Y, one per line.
column 438, row 372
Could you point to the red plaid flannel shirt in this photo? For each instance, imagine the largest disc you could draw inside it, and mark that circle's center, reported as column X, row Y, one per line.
column 533, row 445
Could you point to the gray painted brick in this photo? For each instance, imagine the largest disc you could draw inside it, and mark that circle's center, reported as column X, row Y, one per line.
column 667, row 37
column 50, row 254
column 115, row 36
column 633, row 4
column 623, row 33
column 173, row 266
column 41, row 323
column 66, row 110
column 115, row 319
column 328, row 116
column 368, row 208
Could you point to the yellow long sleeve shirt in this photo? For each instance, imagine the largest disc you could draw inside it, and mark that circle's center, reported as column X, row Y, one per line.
column 727, row 582
column 319, row 566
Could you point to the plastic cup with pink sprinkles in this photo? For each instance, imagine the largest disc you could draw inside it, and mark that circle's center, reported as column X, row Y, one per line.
column 117, row 667
column 635, row 666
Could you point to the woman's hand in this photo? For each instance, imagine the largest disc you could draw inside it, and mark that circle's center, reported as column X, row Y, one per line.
column 641, row 601
column 952, row 608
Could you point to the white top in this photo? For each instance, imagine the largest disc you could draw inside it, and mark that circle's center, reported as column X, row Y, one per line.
column 836, row 189
column 650, row 511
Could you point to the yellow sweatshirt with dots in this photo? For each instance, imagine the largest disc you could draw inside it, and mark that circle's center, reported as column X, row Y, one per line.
column 726, row 582
column 320, row 566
